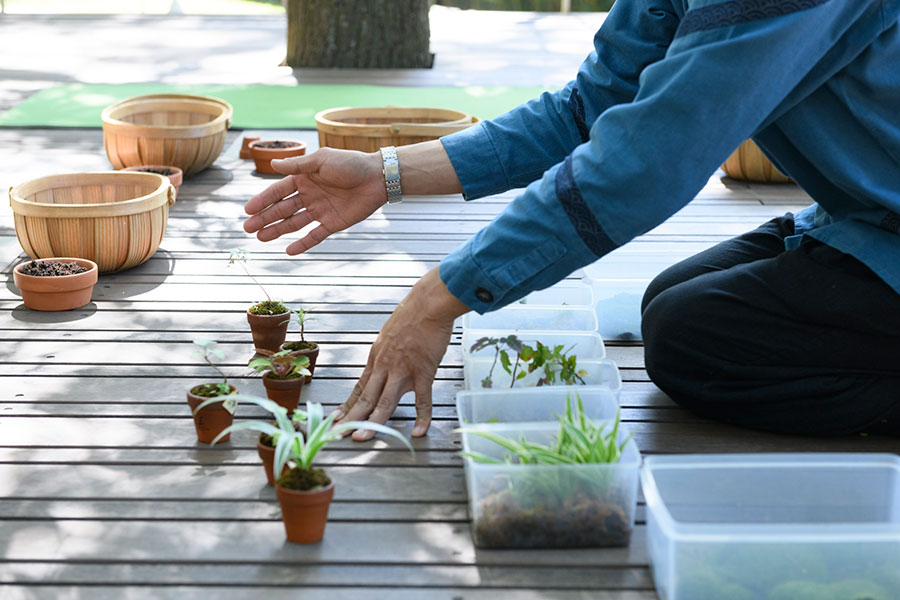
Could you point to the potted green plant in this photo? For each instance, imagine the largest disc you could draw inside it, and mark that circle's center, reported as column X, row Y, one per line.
column 303, row 347
column 268, row 319
column 571, row 484
column 56, row 283
column 303, row 491
column 211, row 404
column 283, row 376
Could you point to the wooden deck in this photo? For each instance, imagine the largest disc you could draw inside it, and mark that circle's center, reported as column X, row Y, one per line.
column 105, row 493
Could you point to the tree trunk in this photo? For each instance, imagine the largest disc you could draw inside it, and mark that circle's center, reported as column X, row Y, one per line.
column 358, row 34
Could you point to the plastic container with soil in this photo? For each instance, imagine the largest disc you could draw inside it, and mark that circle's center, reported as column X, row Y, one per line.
column 549, row 506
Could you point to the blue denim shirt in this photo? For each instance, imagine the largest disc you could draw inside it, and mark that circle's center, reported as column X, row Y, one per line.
column 670, row 90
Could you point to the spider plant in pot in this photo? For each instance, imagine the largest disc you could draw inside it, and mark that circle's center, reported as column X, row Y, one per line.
column 283, row 376
column 303, row 348
column 303, row 491
column 268, row 319
column 211, row 410
column 542, row 485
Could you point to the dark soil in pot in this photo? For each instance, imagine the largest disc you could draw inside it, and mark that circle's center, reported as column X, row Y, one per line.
column 52, row 269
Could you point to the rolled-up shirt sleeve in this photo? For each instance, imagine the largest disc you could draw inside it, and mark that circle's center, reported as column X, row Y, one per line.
column 732, row 67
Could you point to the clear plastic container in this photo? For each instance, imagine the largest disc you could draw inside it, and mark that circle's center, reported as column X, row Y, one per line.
column 582, row 344
column 618, row 282
column 618, row 307
column 564, row 293
column 516, row 317
column 533, row 404
column 774, row 526
column 602, row 372
column 549, row 506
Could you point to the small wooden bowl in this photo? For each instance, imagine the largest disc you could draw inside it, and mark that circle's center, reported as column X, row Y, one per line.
column 116, row 219
column 748, row 163
column 263, row 156
column 166, row 129
column 370, row 128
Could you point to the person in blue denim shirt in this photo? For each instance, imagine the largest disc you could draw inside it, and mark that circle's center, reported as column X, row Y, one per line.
column 793, row 327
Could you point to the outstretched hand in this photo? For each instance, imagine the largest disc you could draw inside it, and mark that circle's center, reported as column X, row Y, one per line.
column 336, row 188
column 405, row 357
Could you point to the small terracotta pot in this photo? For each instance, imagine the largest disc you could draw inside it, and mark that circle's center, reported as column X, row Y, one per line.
column 176, row 177
column 267, row 454
column 245, row 146
column 311, row 353
column 262, row 157
column 64, row 292
column 304, row 513
column 284, row 392
column 210, row 420
column 268, row 331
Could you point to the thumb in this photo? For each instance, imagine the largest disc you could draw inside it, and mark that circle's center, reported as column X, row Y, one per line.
column 297, row 164
column 423, row 409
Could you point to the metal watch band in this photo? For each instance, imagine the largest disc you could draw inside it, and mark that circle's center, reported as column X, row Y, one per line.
column 391, row 171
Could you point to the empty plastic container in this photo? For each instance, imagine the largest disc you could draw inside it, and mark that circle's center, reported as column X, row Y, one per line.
column 618, row 282
column 582, row 344
column 564, row 293
column 774, row 526
column 602, row 372
column 549, row 506
column 517, row 317
column 533, row 404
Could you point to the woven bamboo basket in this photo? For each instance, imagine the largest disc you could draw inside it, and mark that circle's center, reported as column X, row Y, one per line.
column 116, row 219
column 748, row 163
column 368, row 129
column 166, row 129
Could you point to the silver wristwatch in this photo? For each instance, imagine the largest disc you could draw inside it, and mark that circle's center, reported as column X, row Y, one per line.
column 391, row 171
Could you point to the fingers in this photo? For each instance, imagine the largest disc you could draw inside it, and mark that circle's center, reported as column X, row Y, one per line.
column 367, row 399
column 384, row 408
column 295, row 222
column 272, row 194
column 308, row 241
column 423, row 408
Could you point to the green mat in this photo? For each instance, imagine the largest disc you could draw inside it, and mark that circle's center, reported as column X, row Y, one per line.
column 260, row 106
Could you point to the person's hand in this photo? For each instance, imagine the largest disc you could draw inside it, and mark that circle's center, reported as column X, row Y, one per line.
column 337, row 188
column 405, row 357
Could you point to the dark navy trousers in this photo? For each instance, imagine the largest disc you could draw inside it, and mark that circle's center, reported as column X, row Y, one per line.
column 793, row 341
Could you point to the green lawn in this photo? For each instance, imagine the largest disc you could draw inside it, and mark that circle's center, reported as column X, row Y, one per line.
column 209, row 7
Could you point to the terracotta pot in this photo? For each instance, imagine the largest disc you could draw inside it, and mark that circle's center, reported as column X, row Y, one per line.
column 64, row 292
column 311, row 353
column 268, row 331
column 284, row 392
column 175, row 178
column 304, row 513
column 267, row 454
column 210, row 420
column 245, row 146
column 263, row 156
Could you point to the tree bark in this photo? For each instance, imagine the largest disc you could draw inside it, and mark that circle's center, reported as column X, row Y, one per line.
column 358, row 34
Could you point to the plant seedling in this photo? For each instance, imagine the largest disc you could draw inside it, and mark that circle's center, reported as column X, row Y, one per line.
column 301, row 317
column 240, row 256
column 559, row 368
column 300, row 447
column 281, row 365
column 209, row 350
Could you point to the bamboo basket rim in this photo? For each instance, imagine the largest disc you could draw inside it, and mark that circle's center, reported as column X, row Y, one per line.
column 147, row 202
column 325, row 121
column 227, row 112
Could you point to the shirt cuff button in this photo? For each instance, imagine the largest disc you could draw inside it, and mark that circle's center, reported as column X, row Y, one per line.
column 484, row 295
